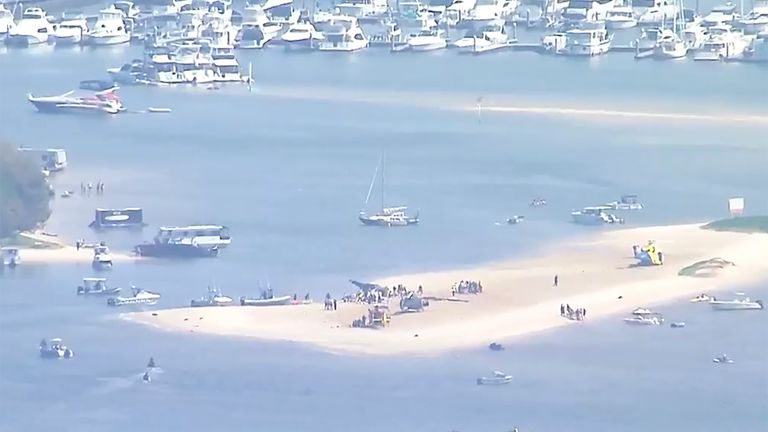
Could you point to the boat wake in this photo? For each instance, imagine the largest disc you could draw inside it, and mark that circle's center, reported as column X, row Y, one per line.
column 116, row 384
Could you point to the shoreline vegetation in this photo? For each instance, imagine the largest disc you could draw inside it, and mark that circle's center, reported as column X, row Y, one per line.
column 597, row 272
column 743, row 224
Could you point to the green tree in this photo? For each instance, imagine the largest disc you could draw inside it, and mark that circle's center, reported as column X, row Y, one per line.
column 24, row 192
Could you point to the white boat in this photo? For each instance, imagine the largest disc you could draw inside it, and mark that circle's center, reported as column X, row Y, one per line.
column 187, row 241
column 6, row 20
column 128, row 8
column 626, row 202
column 620, row 18
column 554, row 42
column 386, row 216
column 514, row 220
column 80, row 101
column 595, row 216
column 640, row 320
column 97, row 286
column 129, row 73
column 102, row 258
column 579, row 11
column 187, row 65
column 722, row 44
column 257, row 29
column 33, row 28
column 498, row 378
column 457, row 11
column 489, row 10
column 743, row 303
column 586, row 42
column 225, row 65
column 650, row 38
column 342, row 34
column 701, row 298
column 267, row 299
column 219, row 31
column 428, row 40
column 71, row 29
column 213, row 298
column 362, row 8
column 301, row 36
column 490, row 37
column 642, row 311
column 723, row 15
column 694, row 37
column 723, row 359
column 170, row 8
column 754, row 22
column 109, row 29
column 55, row 348
column 671, row 46
column 139, row 297
column 758, row 49
column 654, row 12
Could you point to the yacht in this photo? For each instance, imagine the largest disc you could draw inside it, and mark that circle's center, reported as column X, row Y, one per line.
column 213, row 298
column 344, row 34
column 109, row 29
column 138, row 297
column 671, row 46
column 586, row 42
column 104, row 101
column 428, row 40
column 492, row 36
column 102, row 258
column 98, row 286
column 722, row 44
column 219, row 30
column 654, row 12
column 743, row 303
column 587, row 10
column 620, row 18
column 489, row 10
column 755, row 22
column 187, row 241
column 626, row 202
column 301, row 36
column 33, row 28
column 595, row 216
column 386, row 216
column 55, row 348
column 71, row 29
column 457, row 11
column 187, row 65
column 650, row 38
column 553, row 43
column 362, row 8
column 6, row 20
column 758, row 49
column 701, row 298
column 225, row 64
column 721, row 15
column 129, row 73
column 694, row 37
column 257, row 29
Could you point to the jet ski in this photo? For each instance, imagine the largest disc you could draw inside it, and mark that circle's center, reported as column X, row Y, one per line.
column 146, row 378
column 723, row 359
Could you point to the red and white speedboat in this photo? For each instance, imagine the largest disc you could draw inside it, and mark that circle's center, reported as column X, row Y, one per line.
column 102, row 100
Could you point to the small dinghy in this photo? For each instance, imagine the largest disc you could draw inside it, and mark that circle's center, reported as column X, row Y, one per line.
column 723, row 359
column 514, row 220
column 158, row 110
column 498, row 378
column 679, row 324
column 496, row 347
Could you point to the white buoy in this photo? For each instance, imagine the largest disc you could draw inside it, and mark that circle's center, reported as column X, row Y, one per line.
column 158, row 110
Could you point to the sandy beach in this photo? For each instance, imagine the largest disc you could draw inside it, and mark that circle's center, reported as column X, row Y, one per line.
column 53, row 250
column 596, row 271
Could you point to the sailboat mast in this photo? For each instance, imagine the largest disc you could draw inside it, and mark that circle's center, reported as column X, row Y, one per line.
column 382, row 182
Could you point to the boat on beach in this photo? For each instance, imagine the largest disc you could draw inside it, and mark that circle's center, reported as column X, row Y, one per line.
column 96, row 286
column 55, row 349
column 498, row 378
column 266, row 301
column 213, row 298
column 139, row 297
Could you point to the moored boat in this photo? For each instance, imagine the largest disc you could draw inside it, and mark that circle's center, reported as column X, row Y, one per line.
column 139, row 297
column 102, row 258
column 98, row 286
column 213, row 298
column 744, row 303
column 186, row 242
column 498, row 378
column 723, row 359
column 104, row 101
column 267, row 299
column 595, row 216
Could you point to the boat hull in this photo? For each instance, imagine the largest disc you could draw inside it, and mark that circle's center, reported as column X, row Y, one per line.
column 176, row 251
column 383, row 223
column 620, row 24
column 99, row 40
column 25, row 40
column 277, row 301
column 727, row 306
column 56, row 107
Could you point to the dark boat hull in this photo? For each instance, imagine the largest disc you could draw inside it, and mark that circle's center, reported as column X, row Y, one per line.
column 176, row 251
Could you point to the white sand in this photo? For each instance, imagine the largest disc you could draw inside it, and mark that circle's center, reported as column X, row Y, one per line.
column 519, row 298
column 58, row 252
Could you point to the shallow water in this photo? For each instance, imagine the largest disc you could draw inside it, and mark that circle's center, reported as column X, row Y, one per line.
column 289, row 175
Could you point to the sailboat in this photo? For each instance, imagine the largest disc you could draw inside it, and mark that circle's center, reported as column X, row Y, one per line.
column 386, row 216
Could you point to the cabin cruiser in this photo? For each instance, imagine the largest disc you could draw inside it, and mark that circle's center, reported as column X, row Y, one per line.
column 722, row 44
column 342, row 33
column 71, row 29
column 139, row 297
column 654, row 12
column 213, row 298
column 758, row 49
column 428, row 40
column 128, row 9
column 187, row 242
column 498, row 378
column 671, row 46
column 219, row 30
column 457, row 11
column 362, row 8
column 514, row 220
column 102, row 258
column 257, row 35
column 93, row 286
column 189, row 64
column 489, row 10
column 6, row 20
column 129, row 73
column 755, row 22
column 723, row 359
column 595, row 216
column 626, row 202
column 225, row 64
column 301, row 36
column 413, row 17
column 587, row 10
column 109, row 29
column 384, row 32
column 701, row 298
column 721, row 15
column 103, row 101
column 56, row 349
column 743, row 303
column 620, row 18
column 491, row 36
column 33, row 28
column 650, row 38
column 586, row 42
column 694, row 37
column 552, row 44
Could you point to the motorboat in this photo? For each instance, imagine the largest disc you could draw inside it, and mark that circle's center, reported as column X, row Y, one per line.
column 721, row 15
column 620, row 18
column 6, row 20
column 677, row 324
column 9, row 257
column 742, row 303
column 170, row 8
column 489, row 10
column 55, row 349
column 639, row 320
column 701, row 298
column 490, row 37
column 649, row 38
column 758, row 49
column 428, row 40
column 386, row 216
column 109, row 28
column 498, row 378
column 213, row 298
column 266, row 299
column 670, row 47
column 71, row 29
column 256, row 36
column 694, row 37
column 188, row 64
column 595, row 216
column 538, row 202
column 139, row 297
column 225, row 64
column 586, row 42
column 95, row 286
column 146, row 377
column 723, row 359
column 362, row 8
column 754, row 22
column 626, row 202
column 579, row 12
column 187, row 242
column 414, row 17
column 722, row 44
column 342, row 34
column 129, row 73
column 457, row 11
column 301, row 36
column 102, row 258
column 654, row 13
column 514, row 220
column 385, row 32
column 33, row 28
column 105, row 101
column 642, row 311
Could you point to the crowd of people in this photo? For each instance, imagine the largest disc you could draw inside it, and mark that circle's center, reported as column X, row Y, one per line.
column 466, row 287
column 87, row 188
column 577, row 314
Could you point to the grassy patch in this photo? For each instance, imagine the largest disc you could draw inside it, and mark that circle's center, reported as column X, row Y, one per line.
column 745, row 224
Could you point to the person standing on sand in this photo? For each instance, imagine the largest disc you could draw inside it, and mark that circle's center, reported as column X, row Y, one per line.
column 556, row 282
column 562, row 309
column 334, row 304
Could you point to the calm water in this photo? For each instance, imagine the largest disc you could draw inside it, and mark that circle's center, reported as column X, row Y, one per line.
column 289, row 176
